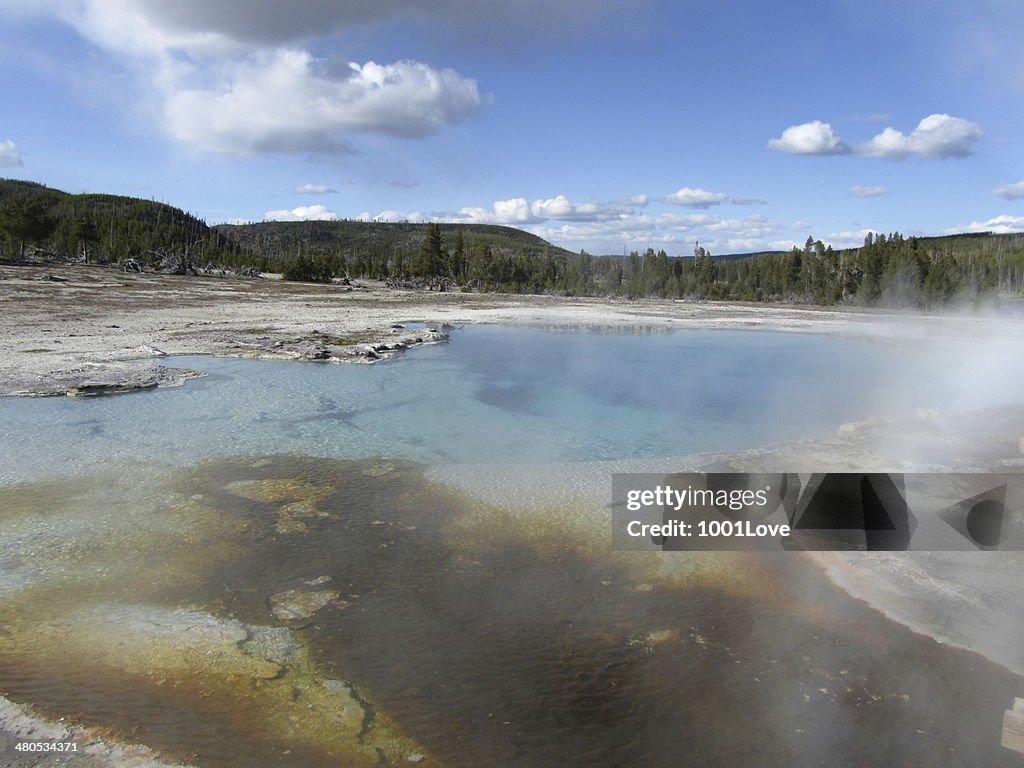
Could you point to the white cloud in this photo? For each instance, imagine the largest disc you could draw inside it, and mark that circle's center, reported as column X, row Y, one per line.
column 866, row 192
column 937, row 135
column 1001, row 225
column 673, row 231
column 560, row 207
column 1010, row 191
column 748, row 201
column 602, row 235
column 10, row 155
column 632, row 201
column 684, row 221
column 813, row 138
column 518, row 211
column 228, row 83
column 314, row 189
column 848, row 238
column 749, row 227
column 513, row 210
column 302, row 213
column 557, row 207
column 393, row 216
column 282, row 102
column 744, row 245
column 696, row 197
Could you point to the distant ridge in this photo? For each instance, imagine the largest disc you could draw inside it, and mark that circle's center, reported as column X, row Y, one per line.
column 123, row 227
column 278, row 240
column 889, row 269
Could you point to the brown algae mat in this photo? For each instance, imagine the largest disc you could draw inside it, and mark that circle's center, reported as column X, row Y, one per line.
column 291, row 611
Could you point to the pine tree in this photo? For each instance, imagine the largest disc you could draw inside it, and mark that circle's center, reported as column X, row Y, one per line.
column 26, row 219
column 431, row 256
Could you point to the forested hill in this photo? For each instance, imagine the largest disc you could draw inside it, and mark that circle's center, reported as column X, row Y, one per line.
column 105, row 228
column 110, row 229
column 283, row 240
column 889, row 269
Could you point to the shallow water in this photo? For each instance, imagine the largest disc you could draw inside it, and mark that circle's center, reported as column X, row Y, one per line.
column 496, row 648
column 136, row 580
column 495, row 395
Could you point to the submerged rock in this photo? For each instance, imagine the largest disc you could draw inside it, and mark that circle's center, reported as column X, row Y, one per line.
column 275, row 644
column 301, row 604
column 300, row 496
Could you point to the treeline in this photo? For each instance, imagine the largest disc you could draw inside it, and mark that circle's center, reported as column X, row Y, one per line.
column 322, row 250
column 889, row 269
column 104, row 229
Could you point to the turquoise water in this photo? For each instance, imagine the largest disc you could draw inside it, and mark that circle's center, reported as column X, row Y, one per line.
column 487, row 640
column 491, row 395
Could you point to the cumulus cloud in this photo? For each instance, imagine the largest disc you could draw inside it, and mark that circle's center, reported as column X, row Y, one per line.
column 10, row 155
column 696, row 198
column 1001, row 225
column 938, row 135
column 314, row 189
column 866, row 192
column 226, row 82
column 1006, row 191
column 813, row 138
column 514, row 209
column 559, row 207
column 302, row 213
column 518, row 211
column 282, row 102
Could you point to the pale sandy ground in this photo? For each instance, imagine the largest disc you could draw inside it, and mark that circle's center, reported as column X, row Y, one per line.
column 61, row 327
column 91, row 326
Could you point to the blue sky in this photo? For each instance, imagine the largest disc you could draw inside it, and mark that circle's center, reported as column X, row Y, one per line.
column 598, row 124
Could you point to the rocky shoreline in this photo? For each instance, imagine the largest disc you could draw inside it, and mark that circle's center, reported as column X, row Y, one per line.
column 86, row 332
